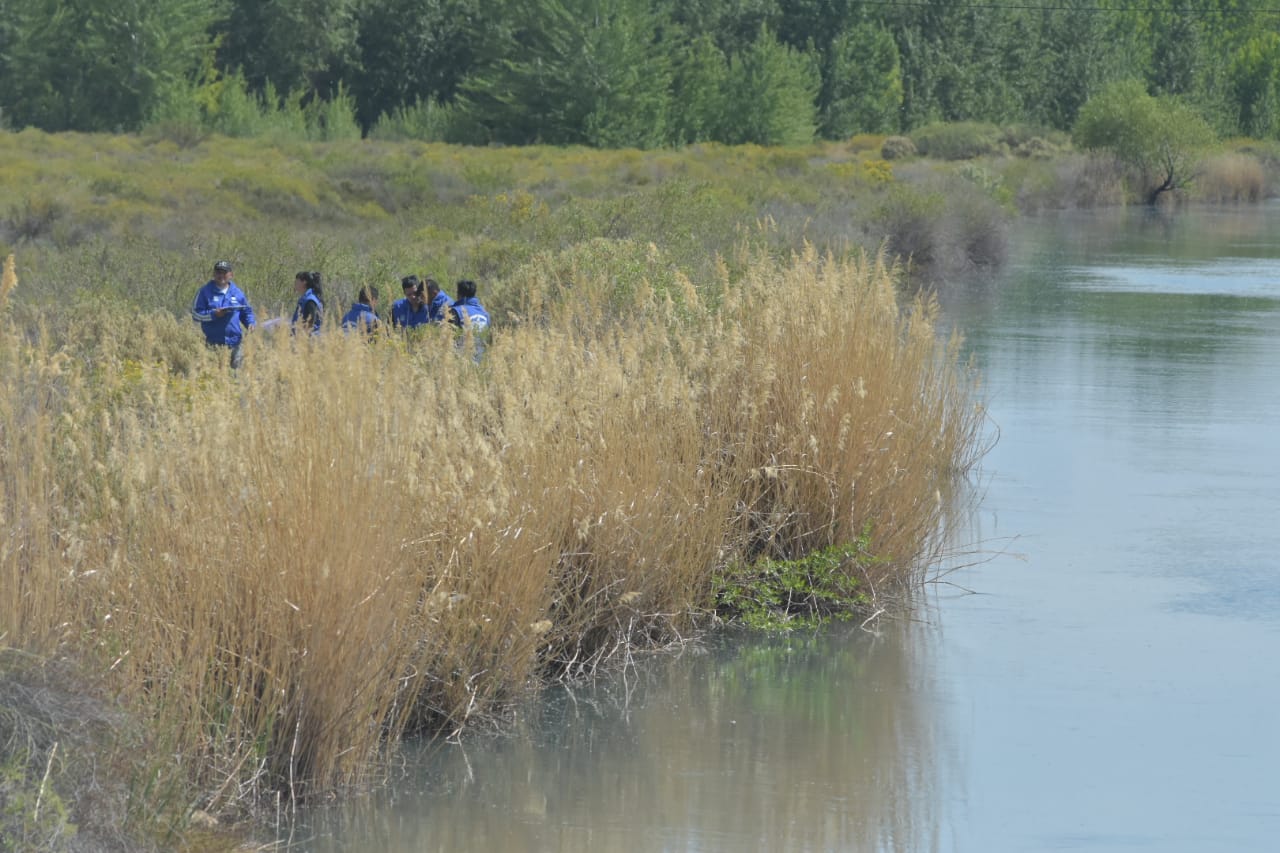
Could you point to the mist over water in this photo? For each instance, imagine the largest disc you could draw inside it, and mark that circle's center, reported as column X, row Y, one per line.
column 1106, row 678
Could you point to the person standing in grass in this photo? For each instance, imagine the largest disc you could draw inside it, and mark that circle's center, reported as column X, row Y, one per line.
column 362, row 314
column 223, row 312
column 467, row 312
column 413, row 309
column 438, row 302
column 470, row 316
column 310, row 311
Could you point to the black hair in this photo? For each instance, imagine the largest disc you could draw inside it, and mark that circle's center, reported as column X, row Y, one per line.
column 410, row 281
column 313, row 281
column 431, row 284
column 466, row 289
column 367, row 293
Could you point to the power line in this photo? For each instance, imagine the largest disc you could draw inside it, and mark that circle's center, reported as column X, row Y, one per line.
column 1069, row 7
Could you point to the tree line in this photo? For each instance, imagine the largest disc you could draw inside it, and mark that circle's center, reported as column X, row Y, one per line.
column 612, row 73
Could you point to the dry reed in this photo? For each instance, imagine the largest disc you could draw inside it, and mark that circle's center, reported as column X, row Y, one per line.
column 288, row 567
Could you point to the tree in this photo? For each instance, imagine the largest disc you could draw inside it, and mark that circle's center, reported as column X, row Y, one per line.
column 770, row 95
column 587, row 72
column 98, row 64
column 862, row 84
column 411, row 51
column 698, row 92
column 1159, row 138
column 298, row 45
column 1254, row 74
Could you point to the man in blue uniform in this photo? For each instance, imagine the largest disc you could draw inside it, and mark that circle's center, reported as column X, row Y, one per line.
column 469, row 315
column 467, row 312
column 413, row 310
column 438, row 302
column 223, row 312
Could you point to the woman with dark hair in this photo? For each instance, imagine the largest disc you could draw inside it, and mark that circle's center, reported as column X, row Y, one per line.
column 310, row 310
column 362, row 313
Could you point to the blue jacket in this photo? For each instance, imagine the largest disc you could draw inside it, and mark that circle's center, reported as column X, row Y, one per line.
column 309, row 303
column 360, row 315
column 222, row 331
column 476, row 315
column 403, row 315
column 438, row 310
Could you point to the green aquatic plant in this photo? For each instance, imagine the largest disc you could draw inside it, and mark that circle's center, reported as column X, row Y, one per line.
column 783, row 595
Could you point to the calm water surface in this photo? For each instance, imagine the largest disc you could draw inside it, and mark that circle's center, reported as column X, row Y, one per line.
column 1111, row 683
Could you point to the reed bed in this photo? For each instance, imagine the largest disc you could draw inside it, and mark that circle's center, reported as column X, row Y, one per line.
column 288, row 567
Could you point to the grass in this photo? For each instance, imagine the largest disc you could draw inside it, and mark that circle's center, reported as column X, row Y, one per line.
column 291, row 567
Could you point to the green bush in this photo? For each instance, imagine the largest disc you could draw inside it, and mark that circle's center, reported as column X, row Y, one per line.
column 898, row 147
column 428, row 121
column 958, row 140
column 788, row 594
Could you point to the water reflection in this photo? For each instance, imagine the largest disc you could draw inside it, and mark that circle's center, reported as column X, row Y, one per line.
column 826, row 742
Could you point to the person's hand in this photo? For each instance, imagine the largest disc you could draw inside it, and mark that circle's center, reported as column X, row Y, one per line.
column 222, row 312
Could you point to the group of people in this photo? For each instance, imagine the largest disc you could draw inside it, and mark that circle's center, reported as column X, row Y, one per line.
column 224, row 313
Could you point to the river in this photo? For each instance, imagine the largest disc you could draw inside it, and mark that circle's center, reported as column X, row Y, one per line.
column 1097, row 668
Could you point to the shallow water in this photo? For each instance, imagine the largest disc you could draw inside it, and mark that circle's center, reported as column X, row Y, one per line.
column 1106, row 676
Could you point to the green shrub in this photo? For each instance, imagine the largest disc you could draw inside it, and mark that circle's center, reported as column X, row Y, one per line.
column 897, row 148
column 958, row 140
column 427, row 121
column 788, row 594
column 909, row 218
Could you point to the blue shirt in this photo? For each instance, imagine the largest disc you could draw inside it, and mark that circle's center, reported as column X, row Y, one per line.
column 403, row 315
column 477, row 317
column 438, row 310
column 360, row 315
column 222, row 331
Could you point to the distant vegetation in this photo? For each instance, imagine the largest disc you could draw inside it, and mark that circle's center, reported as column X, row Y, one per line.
column 622, row 73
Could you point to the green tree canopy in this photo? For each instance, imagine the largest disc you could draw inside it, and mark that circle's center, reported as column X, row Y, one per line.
column 770, row 95
column 98, row 64
column 862, row 83
column 589, row 72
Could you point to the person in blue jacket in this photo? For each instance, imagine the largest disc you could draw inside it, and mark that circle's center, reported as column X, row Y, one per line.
column 438, row 302
column 362, row 315
column 223, row 312
column 413, row 310
column 310, row 311
column 470, row 316
column 467, row 312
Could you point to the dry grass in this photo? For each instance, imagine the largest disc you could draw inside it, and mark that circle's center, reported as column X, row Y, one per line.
column 1231, row 177
column 289, row 567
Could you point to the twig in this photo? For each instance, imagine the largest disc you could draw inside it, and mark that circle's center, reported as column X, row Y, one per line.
column 45, row 781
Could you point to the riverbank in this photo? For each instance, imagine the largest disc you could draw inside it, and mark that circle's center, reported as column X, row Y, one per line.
column 284, row 570
column 287, row 569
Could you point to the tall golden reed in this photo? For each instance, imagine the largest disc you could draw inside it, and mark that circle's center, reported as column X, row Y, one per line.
column 8, row 282
column 290, row 566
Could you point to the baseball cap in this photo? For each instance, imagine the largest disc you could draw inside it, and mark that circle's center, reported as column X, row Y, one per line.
column 222, row 266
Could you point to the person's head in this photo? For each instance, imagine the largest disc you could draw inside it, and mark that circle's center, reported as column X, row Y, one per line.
column 368, row 295
column 222, row 273
column 433, row 287
column 413, row 290
column 466, row 289
column 305, row 281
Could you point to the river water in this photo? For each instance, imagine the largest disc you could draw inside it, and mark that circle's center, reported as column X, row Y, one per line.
column 1100, row 671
